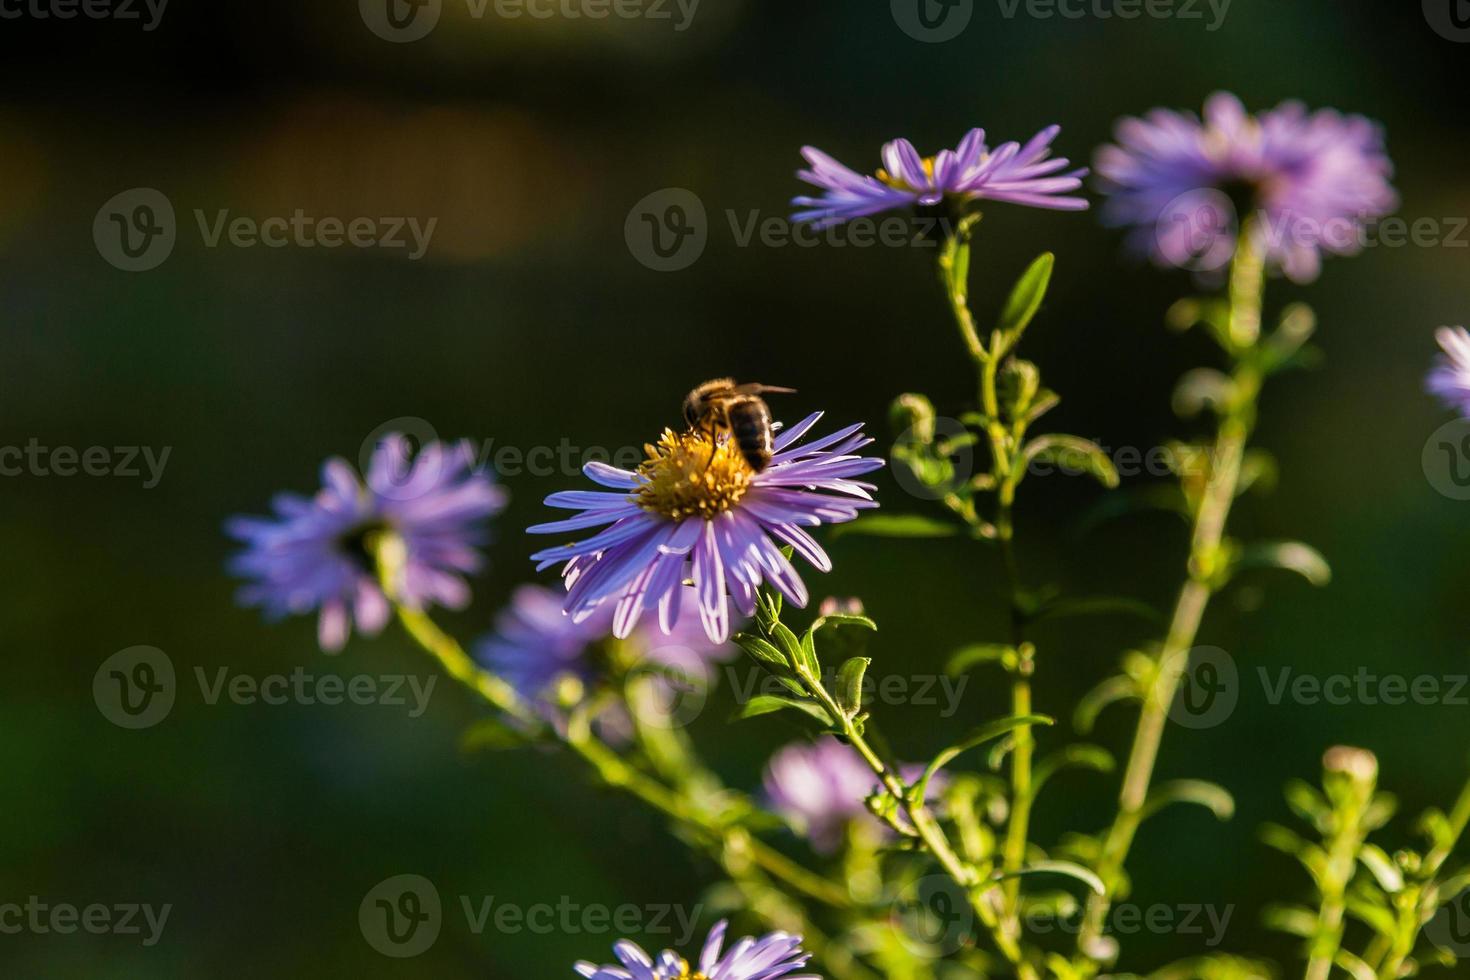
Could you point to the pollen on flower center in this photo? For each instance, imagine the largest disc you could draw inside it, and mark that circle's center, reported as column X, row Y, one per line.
column 902, row 185
column 693, row 474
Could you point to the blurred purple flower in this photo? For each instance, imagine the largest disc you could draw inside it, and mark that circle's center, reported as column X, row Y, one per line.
column 535, row 642
column 1011, row 172
column 821, row 787
column 771, row 957
column 696, row 509
column 313, row 554
column 1450, row 378
column 1313, row 181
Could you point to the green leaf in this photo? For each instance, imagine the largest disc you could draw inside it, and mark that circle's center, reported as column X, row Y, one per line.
column 1026, row 297
column 1377, row 917
column 809, row 662
column 850, row 685
column 981, row 735
column 1306, row 802
column 762, row 651
column 1294, row 920
column 1287, row 842
column 1354, row 965
column 1067, row 868
column 491, row 734
column 977, row 653
column 845, row 619
column 1110, row 691
column 898, row 526
column 1293, row 556
column 1214, row 798
column 1200, row 389
column 1383, row 868
column 765, row 704
column 1093, row 757
column 1071, row 453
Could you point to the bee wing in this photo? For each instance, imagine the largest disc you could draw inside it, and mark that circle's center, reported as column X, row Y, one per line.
column 756, row 388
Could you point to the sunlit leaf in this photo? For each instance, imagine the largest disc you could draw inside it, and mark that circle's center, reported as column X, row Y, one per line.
column 765, row 704
column 1026, row 297
column 977, row 653
column 1214, row 798
column 1292, row 556
column 985, row 733
column 1066, row 868
column 898, row 526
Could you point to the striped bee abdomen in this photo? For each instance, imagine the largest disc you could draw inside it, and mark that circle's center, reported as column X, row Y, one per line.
column 750, row 425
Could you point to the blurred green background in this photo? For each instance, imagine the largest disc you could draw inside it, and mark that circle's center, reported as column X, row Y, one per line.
column 529, row 322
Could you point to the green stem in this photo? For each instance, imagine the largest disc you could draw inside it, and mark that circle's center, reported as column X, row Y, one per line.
column 953, row 274
column 927, row 829
column 611, row 767
column 1425, row 901
column 1212, row 514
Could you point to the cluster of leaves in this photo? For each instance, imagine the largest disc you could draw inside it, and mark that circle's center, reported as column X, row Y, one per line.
column 1402, row 902
column 937, row 452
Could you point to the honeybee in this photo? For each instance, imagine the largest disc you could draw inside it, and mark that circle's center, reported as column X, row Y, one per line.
column 739, row 409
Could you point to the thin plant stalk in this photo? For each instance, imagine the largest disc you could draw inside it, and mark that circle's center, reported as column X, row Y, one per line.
column 954, row 277
column 1246, row 297
column 611, row 767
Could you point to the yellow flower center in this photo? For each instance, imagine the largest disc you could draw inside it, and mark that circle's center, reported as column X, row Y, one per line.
column 693, row 474
column 893, row 181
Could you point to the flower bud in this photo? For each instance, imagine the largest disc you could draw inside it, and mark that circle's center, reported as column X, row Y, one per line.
column 912, row 416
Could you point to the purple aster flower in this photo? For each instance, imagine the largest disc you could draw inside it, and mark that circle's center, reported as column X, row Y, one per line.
column 1011, row 172
column 821, row 787
column 315, row 553
column 1313, row 181
column 772, row 956
column 535, row 642
column 1450, row 379
column 696, row 509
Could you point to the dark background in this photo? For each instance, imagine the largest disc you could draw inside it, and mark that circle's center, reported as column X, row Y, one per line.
column 529, row 321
